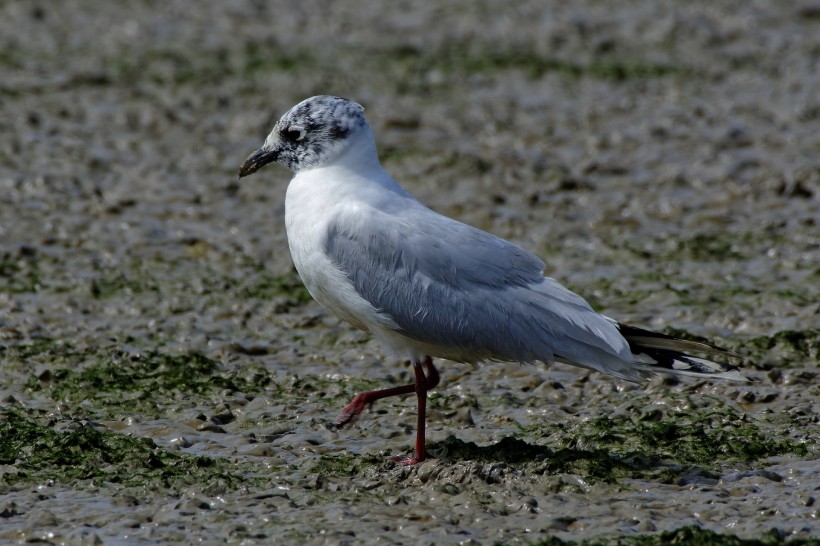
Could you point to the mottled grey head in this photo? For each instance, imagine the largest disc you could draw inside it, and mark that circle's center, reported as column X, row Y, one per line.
column 310, row 133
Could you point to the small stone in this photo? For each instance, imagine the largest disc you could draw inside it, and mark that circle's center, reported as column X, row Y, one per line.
column 223, row 418
column 428, row 471
column 85, row 537
column 210, row 427
column 774, row 375
column 560, row 524
column 369, row 485
column 194, row 504
column 645, row 526
column 272, row 493
column 180, row 442
column 9, row 510
column 769, row 475
column 215, row 489
column 9, row 334
column 530, row 501
column 464, row 417
column 809, row 10
column 499, row 509
column 125, row 500
column 747, row 397
column 257, row 450
column 768, row 397
column 42, row 518
column 449, row 489
column 319, row 482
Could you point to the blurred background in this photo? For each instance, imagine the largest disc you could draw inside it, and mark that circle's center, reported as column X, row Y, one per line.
column 649, row 152
column 663, row 158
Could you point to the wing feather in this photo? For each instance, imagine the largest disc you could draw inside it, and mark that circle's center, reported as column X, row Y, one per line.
column 448, row 284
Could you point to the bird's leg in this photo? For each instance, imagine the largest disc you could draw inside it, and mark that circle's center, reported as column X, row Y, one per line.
column 361, row 400
column 432, row 374
column 422, row 386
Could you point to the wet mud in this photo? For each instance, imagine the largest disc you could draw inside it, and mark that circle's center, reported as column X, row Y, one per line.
column 167, row 379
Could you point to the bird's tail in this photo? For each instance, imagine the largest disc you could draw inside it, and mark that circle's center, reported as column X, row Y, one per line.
column 667, row 354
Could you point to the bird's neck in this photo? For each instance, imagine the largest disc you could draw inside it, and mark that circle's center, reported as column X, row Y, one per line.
column 353, row 173
column 360, row 154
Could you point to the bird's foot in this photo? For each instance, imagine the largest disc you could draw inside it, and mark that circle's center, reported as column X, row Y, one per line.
column 406, row 461
column 354, row 408
column 419, row 456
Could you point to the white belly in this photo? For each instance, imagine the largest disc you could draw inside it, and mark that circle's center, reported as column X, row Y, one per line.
column 309, row 204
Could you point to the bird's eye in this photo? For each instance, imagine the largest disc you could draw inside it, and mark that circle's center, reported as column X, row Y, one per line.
column 295, row 133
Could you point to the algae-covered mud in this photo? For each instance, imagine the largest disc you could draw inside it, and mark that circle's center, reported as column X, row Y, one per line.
column 165, row 378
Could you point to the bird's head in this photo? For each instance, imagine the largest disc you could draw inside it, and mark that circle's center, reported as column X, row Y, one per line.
column 311, row 134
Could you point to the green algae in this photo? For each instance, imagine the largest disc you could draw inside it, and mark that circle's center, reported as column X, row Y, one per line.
column 113, row 382
column 703, row 439
column 653, row 444
column 461, row 57
column 141, row 275
column 690, row 535
column 592, row 464
column 661, row 258
column 650, row 446
column 270, row 56
column 781, row 349
column 117, row 382
column 266, row 285
column 609, row 449
column 706, row 246
column 38, row 349
column 19, row 272
column 785, row 348
column 166, row 66
column 255, row 58
column 263, row 61
column 537, row 66
column 40, row 452
column 347, row 464
column 710, row 246
column 109, row 286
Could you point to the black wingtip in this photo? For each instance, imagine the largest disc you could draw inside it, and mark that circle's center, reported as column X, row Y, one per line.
column 672, row 355
column 639, row 338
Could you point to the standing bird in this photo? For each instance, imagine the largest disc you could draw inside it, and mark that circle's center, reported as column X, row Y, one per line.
column 429, row 286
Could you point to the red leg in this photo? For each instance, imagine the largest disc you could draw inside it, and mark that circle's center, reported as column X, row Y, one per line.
column 421, row 395
column 420, row 387
column 362, row 400
column 432, row 374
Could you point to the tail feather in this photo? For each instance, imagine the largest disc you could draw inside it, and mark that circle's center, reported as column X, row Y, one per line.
column 669, row 354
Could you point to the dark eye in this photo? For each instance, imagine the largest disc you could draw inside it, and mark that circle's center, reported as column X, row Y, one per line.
column 295, row 133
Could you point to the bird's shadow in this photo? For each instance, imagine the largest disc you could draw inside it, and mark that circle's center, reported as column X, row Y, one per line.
column 590, row 464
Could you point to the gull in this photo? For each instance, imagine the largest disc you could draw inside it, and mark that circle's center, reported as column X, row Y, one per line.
column 429, row 286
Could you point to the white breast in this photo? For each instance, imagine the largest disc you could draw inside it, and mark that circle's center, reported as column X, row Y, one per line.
column 310, row 203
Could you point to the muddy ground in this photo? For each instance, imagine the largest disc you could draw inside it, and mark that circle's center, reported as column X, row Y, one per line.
column 166, row 379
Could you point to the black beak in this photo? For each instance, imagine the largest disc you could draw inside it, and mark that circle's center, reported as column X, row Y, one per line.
column 257, row 160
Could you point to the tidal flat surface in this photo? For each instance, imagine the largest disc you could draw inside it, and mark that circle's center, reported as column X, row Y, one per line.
column 167, row 379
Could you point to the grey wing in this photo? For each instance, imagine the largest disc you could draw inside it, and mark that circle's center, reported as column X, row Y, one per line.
column 448, row 284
